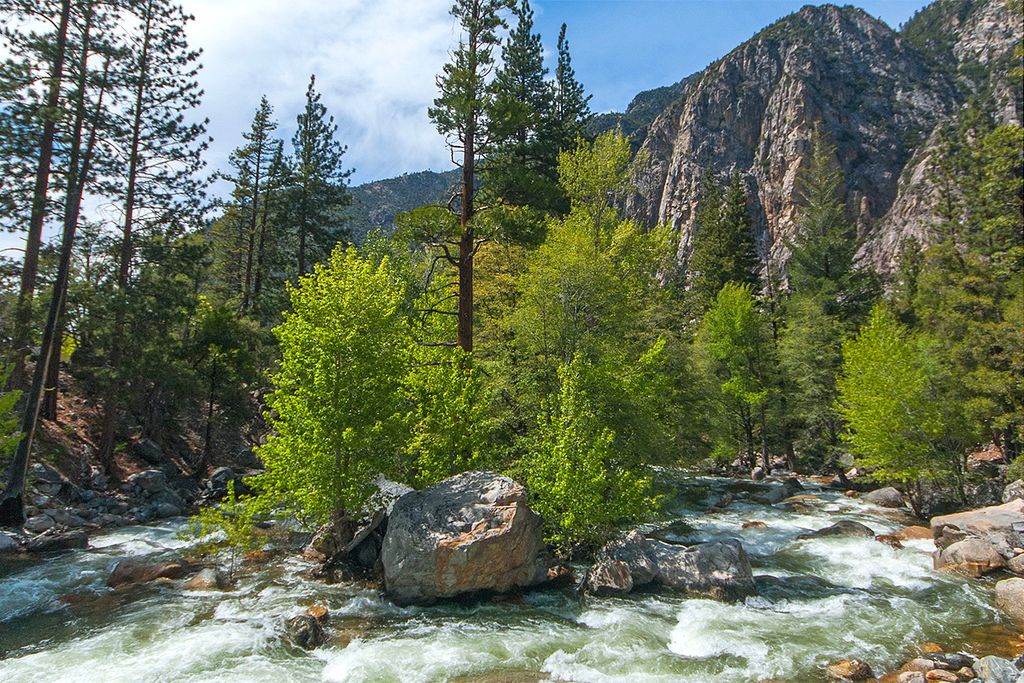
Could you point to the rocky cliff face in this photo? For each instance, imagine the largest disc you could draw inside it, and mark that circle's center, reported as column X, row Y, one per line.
column 876, row 94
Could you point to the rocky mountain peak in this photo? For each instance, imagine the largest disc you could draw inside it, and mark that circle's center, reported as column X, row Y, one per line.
column 754, row 112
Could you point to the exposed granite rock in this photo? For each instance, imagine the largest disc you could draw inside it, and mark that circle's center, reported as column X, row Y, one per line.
column 470, row 533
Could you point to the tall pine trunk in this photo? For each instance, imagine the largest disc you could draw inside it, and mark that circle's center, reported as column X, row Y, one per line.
column 12, row 502
column 34, row 237
column 72, row 206
column 466, row 248
column 125, row 260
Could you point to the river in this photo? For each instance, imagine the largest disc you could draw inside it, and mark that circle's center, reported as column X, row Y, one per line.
column 833, row 598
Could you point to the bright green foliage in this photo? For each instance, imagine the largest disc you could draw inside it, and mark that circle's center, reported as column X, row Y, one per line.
column 337, row 406
column 579, row 482
column 593, row 175
column 229, row 526
column 723, row 247
column 734, row 351
column 446, row 430
column 904, row 421
column 9, row 433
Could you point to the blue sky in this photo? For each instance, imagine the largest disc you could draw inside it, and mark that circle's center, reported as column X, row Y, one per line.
column 376, row 60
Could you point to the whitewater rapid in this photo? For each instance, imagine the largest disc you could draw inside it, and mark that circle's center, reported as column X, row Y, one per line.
column 830, row 598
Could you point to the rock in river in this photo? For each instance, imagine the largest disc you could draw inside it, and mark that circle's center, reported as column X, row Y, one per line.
column 1010, row 598
column 470, row 533
column 718, row 570
column 971, row 556
column 844, row 527
column 887, row 497
column 128, row 572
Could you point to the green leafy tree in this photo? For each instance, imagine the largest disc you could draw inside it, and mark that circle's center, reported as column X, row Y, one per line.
column 904, row 421
column 579, row 481
column 337, row 409
column 734, row 351
column 228, row 526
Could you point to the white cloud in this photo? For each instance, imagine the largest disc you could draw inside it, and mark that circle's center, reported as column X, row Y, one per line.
column 375, row 62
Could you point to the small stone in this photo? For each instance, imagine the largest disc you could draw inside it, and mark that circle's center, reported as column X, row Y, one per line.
column 929, row 648
column 849, row 670
column 920, row 664
column 915, row 533
column 753, row 525
column 208, row 579
column 757, row 474
column 39, row 524
column 966, row 674
column 851, row 493
column 941, row 675
column 911, row 677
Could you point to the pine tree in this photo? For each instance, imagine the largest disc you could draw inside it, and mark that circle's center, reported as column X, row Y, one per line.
column 460, row 114
column 162, row 187
column 319, row 182
column 723, row 245
column 59, row 16
column 522, row 169
column 828, row 297
column 572, row 104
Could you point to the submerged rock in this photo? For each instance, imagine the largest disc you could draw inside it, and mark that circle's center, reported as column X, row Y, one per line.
column 128, row 572
column 470, row 533
column 845, row 527
column 887, row 497
column 915, row 533
column 306, row 631
column 849, row 670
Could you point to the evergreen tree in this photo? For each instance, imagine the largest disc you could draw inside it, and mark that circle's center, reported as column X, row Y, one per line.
column 723, row 244
column 318, row 182
column 572, row 104
column 522, row 168
column 828, row 297
column 161, row 182
column 460, row 113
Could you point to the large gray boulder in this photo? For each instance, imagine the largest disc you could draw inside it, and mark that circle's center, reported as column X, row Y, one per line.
column 971, row 556
column 719, row 570
column 887, row 497
column 997, row 524
column 473, row 532
column 996, row 670
column 1010, row 598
